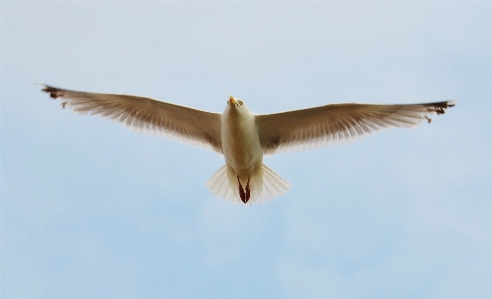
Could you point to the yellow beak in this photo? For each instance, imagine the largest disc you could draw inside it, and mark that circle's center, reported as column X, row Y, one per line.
column 232, row 101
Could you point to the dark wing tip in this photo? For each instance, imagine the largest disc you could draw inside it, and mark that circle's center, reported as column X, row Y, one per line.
column 451, row 103
column 52, row 91
column 439, row 107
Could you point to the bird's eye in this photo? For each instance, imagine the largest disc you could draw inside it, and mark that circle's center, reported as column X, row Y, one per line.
column 240, row 102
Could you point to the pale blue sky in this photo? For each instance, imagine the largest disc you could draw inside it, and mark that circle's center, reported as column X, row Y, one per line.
column 90, row 209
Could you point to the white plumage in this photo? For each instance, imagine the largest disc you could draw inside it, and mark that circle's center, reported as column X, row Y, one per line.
column 243, row 137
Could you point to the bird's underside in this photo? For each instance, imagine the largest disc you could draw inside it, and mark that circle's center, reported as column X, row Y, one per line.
column 280, row 132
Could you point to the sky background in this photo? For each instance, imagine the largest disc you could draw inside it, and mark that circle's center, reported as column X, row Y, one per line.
column 90, row 209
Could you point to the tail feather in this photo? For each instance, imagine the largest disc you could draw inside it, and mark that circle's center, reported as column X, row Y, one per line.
column 274, row 185
column 264, row 185
column 218, row 184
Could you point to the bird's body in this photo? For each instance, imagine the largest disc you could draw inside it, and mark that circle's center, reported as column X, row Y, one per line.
column 243, row 153
column 243, row 138
column 240, row 141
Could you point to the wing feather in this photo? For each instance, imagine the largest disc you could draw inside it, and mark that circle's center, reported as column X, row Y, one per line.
column 191, row 126
column 338, row 123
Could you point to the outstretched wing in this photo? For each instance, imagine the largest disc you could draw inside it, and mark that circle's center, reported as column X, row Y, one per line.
column 183, row 124
column 339, row 123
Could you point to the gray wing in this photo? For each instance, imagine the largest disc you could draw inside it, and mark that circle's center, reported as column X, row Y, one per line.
column 183, row 124
column 338, row 123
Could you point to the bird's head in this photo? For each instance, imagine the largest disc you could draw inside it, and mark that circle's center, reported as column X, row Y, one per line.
column 235, row 104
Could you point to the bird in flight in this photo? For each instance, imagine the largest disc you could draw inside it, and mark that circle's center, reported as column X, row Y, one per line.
column 243, row 137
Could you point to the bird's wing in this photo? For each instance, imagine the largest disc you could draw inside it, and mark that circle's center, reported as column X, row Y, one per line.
column 338, row 123
column 183, row 124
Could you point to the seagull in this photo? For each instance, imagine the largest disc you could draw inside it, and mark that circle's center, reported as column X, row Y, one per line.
column 243, row 137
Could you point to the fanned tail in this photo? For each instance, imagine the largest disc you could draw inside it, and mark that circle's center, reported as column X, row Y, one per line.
column 264, row 185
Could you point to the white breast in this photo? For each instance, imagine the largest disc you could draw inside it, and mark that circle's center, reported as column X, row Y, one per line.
column 240, row 140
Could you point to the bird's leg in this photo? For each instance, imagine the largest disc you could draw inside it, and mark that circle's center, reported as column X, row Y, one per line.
column 241, row 191
column 248, row 193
